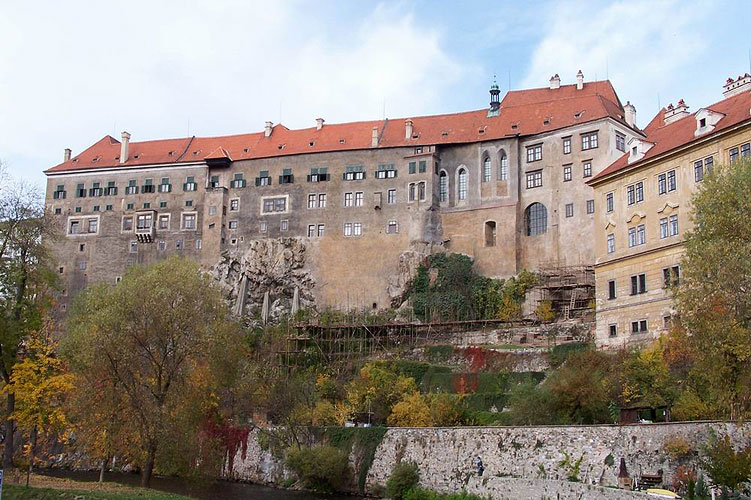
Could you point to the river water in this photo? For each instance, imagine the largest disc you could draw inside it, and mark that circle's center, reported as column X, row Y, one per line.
column 218, row 490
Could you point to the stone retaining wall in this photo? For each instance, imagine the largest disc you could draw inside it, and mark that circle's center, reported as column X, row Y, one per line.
column 520, row 462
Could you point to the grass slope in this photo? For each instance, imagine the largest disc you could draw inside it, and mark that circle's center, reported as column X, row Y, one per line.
column 15, row 492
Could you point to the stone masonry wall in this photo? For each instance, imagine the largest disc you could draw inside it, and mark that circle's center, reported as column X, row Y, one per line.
column 520, row 462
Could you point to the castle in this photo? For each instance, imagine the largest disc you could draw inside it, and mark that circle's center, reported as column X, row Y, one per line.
column 339, row 214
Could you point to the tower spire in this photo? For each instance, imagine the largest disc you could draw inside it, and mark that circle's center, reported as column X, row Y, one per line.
column 495, row 98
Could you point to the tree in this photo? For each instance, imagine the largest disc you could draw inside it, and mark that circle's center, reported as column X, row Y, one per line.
column 40, row 383
column 26, row 279
column 725, row 466
column 714, row 296
column 147, row 337
column 411, row 411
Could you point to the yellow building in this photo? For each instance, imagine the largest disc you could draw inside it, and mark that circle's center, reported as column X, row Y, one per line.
column 643, row 210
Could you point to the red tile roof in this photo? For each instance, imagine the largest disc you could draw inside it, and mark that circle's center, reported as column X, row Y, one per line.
column 679, row 133
column 523, row 113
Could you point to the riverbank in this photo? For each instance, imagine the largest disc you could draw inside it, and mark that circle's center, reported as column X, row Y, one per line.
column 55, row 488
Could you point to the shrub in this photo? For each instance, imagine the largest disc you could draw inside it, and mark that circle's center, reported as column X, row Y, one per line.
column 403, row 478
column 724, row 465
column 325, row 413
column 560, row 353
column 545, row 312
column 321, row 468
column 422, row 494
column 677, row 447
column 411, row 411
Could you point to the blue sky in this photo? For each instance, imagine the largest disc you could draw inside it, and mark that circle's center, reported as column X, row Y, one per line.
column 75, row 71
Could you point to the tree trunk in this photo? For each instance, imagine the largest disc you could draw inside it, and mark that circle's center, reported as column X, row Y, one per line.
column 31, row 454
column 101, row 469
column 149, row 469
column 10, row 429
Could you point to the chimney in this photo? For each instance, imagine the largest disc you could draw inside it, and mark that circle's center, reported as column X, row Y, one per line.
column 675, row 113
column 630, row 114
column 267, row 129
column 555, row 82
column 66, row 154
column 408, row 129
column 735, row 87
column 319, row 123
column 124, row 147
column 579, row 80
column 374, row 138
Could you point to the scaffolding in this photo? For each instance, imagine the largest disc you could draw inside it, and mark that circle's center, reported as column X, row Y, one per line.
column 570, row 290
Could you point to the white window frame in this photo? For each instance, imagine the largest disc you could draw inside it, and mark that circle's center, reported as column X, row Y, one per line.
column 182, row 221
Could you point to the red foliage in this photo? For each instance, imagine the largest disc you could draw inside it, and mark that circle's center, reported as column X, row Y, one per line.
column 232, row 438
column 465, row 383
column 480, row 359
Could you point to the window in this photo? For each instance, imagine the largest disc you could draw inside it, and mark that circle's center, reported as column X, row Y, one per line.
column 162, row 204
column 462, row 184
column 214, row 181
column 411, row 191
column 392, row 227
column 490, row 233
column 143, row 222
column 638, row 284
column 96, row 190
column 503, row 168
column 534, row 179
column 486, row 169
column 78, row 209
column 238, row 181
column 355, row 173
column 348, row 199
column 443, row 187
column 147, row 204
column 322, row 200
column 179, row 245
column 312, row 201
column 111, row 189
column 132, row 187
column 232, row 224
column 161, row 246
column 148, row 186
column 311, row 230
column 612, row 330
column 357, row 229
column 93, row 225
column 80, row 191
column 536, row 219
column 611, row 243
column 609, row 202
column 566, row 173
column 587, row 168
column 165, row 186
column 199, row 244
column 620, row 142
column 133, row 246
column 263, row 178
column 82, row 265
column 635, row 193
column 590, row 206
column 59, row 193
column 189, row 203
column 347, row 229
column 746, row 150
column 666, row 182
column 164, row 222
column 418, row 150
column 271, row 205
column 234, row 205
column 589, row 141
column 358, row 198
column 611, row 290
column 733, row 154
column 318, row 175
column 566, row 145
column 422, row 166
column 412, row 167
column 534, row 153
column 385, row 171
column 391, row 195
column 698, row 171
column 671, row 276
column 286, row 177
column 569, row 209
column 421, row 191
column 189, row 221
column 639, row 326
column 664, row 227
column 673, row 228
column 190, row 184
column 708, row 164
column 127, row 223
column 95, row 209
column 58, row 211
column 212, row 210
column 74, row 227
column 636, row 235
column 283, row 225
column 321, row 229
column 108, row 208
column 262, row 226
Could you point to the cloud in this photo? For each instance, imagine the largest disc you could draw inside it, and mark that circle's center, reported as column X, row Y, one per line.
column 644, row 47
column 75, row 71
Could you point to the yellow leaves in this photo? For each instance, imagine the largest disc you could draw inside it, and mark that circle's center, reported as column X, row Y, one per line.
column 411, row 411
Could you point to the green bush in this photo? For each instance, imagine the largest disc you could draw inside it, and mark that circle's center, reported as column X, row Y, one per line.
column 321, row 468
column 403, row 478
column 421, row 494
column 560, row 353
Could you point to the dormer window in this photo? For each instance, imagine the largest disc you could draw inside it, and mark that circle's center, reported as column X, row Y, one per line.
column 702, row 123
column 634, row 151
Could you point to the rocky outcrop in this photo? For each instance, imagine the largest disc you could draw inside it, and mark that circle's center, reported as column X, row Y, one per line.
column 274, row 266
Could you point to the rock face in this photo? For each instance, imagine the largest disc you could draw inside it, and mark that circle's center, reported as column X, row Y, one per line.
column 409, row 261
column 277, row 266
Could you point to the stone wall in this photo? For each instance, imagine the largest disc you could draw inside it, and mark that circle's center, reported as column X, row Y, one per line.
column 520, row 462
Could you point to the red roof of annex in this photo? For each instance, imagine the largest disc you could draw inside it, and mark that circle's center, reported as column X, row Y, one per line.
column 523, row 113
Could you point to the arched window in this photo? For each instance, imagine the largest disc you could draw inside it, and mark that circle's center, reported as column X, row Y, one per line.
column 486, row 169
column 443, row 186
column 536, row 219
column 503, row 167
column 490, row 233
column 421, row 191
column 462, row 184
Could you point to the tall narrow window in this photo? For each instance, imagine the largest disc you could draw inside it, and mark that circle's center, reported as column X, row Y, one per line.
column 421, row 191
column 391, row 196
column 490, row 232
column 609, row 202
column 566, row 173
column 503, row 167
column 486, row 169
column 443, row 186
column 536, row 219
column 611, row 243
column 611, row 289
column 462, row 184
column 587, row 168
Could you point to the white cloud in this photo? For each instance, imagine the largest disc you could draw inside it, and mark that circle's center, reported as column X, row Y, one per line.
column 75, row 71
column 644, row 47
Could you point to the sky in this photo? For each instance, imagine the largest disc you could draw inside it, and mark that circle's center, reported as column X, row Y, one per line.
column 72, row 72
